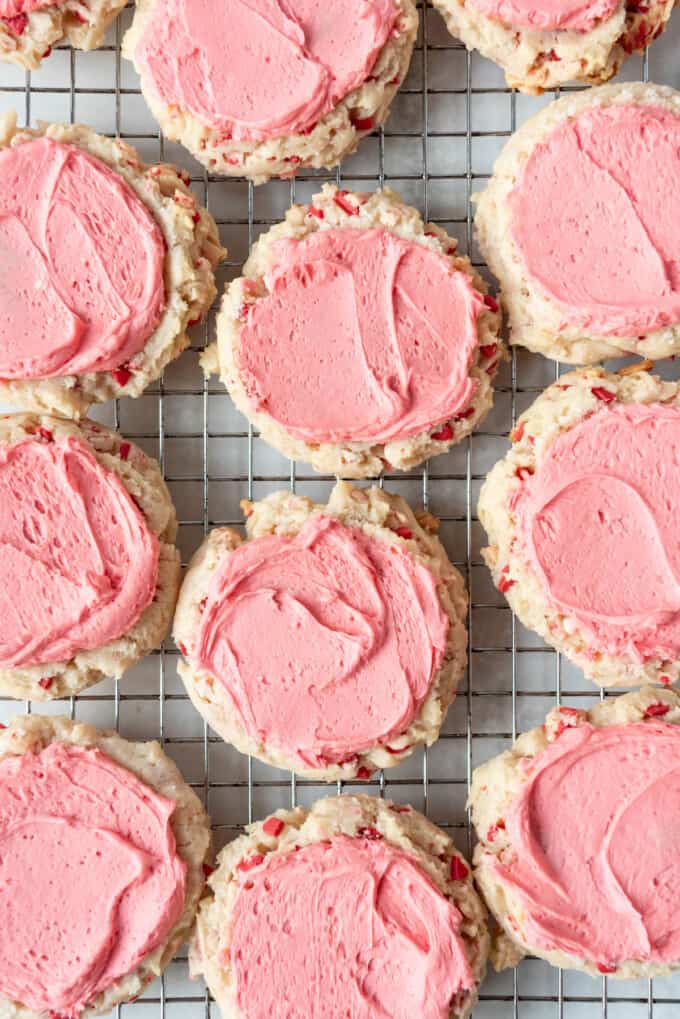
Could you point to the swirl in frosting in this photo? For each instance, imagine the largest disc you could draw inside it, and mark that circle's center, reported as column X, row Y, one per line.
column 81, row 264
column 78, row 562
column 595, row 213
column 325, row 643
column 90, row 879
column 363, row 337
column 259, row 69
column 597, row 524
column 366, row 930
column 594, row 845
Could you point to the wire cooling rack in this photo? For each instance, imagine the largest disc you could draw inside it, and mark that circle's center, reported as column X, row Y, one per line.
column 448, row 122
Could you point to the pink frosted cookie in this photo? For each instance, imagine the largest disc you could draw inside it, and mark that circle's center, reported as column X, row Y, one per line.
column 102, row 850
column 30, row 28
column 582, row 523
column 541, row 44
column 332, row 641
column 579, row 838
column 589, row 260
column 356, row 907
column 358, row 339
column 106, row 263
column 88, row 569
column 263, row 88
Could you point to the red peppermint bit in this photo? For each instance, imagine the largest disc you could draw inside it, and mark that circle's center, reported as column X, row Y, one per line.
column 393, row 81
column 665, row 680
column 340, row 199
column 193, row 322
column 202, row 604
column 488, row 350
column 465, row 414
column 504, row 584
column 523, row 473
column 603, row 394
column 404, row 532
column 443, row 435
column 45, row 434
column 602, row 967
column 552, row 55
column 364, row 123
column 251, row 861
column 17, row 25
column 233, row 161
column 47, row 53
column 657, row 710
column 273, row 826
column 458, row 869
column 196, row 217
column 363, row 773
column 430, row 233
column 490, row 302
column 80, row 17
column 493, row 831
column 182, row 648
column 317, row 213
column 398, row 809
column 46, row 682
column 207, row 870
column 2, row 725
column 396, row 750
column 371, row 833
column 122, row 375
column 517, row 434
column 124, row 450
column 491, row 368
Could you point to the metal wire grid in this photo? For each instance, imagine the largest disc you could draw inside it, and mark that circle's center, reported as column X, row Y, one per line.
column 449, row 120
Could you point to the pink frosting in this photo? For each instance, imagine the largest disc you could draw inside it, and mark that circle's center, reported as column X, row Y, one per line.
column 601, row 240
column 549, row 15
column 258, row 69
column 598, row 525
column 326, row 642
column 373, row 338
column 78, row 563
column 90, row 880
column 595, row 844
column 82, row 264
column 12, row 8
column 350, row 926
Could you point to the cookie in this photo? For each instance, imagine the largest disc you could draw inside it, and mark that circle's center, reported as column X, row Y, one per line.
column 541, row 47
column 30, row 28
column 88, row 573
column 348, row 625
column 581, row 518
column 578, row 828
column 305, row 81
column 578, row 224
column 387, row 344
column 108, row 262
column 368, row 894
column 98, row 902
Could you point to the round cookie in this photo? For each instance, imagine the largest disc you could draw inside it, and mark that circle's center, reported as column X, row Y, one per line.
column 306, row 81
column 581, row 515
column 89, row 570
column 587, row 259
column 400, row 877
column 110, row 886
column 30, row 28
column 107, row 318
column 349, row 623
column 429, row 355
column 578, row 838
column 542, row 46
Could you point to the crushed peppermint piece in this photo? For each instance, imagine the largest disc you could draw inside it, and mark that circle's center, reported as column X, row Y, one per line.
column 273, row 826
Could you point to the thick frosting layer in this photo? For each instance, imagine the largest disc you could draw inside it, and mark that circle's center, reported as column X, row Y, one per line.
column 258, row 69
column 78, row 563
column 363, row 929
column 598, row 524
column 549, row 15
column 326, row 642
column 601, row 239
column 90, row 880
column 363, row 337
column 595, row 844
column 11, row 8
column 81, row 261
